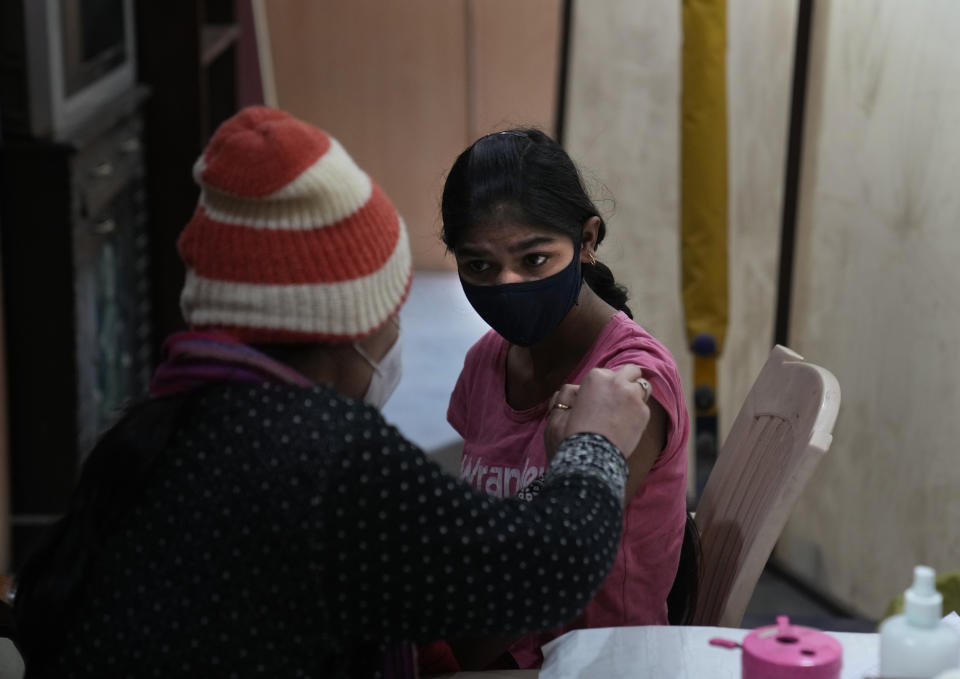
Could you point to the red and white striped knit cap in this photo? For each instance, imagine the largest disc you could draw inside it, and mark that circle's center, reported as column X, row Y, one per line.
column 291, row 241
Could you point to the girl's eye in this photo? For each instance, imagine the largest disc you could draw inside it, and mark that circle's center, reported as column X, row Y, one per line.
column 478, row 265
column 535, row 260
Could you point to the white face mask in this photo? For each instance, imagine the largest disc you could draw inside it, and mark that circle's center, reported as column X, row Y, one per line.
column 386, row 375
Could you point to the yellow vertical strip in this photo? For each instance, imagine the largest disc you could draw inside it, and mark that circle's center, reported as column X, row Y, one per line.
column 703, row 212
column 704, row 170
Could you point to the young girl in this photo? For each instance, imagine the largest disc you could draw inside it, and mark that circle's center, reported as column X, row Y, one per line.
column 525, row 236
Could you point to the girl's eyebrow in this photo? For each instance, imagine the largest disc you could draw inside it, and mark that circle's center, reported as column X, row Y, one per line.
column 532, row 242
column 471, row 250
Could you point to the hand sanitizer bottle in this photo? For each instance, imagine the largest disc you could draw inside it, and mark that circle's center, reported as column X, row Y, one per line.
column 917, row 644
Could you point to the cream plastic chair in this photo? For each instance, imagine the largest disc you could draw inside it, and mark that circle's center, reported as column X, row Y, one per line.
column 781, row 432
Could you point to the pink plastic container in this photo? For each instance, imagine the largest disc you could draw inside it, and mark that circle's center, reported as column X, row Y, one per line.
column 785, row 651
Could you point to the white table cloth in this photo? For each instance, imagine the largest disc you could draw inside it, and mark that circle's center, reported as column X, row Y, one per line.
column 675, row 653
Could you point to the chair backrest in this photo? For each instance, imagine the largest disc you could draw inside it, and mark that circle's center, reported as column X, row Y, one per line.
column 781, row 432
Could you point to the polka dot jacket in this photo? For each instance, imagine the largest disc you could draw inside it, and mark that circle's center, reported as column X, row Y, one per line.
column 291, row 532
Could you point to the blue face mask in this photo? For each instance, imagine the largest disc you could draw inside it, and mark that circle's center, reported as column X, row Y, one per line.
column 525, row 313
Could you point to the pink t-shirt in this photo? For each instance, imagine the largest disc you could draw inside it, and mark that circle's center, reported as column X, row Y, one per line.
column 504, row 451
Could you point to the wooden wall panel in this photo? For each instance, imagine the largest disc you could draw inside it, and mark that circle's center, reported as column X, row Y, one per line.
column 876, row 295
column 513, row 60
column 760, row 39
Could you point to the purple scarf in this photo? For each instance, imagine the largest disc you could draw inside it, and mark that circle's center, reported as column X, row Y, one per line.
column 195, row 359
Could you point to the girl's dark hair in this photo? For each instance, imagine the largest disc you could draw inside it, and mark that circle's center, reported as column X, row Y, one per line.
column 51, row 581
column 524, row 176
column 682, row 599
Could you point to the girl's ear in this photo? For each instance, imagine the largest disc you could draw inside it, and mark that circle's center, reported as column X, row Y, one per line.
column 588, row 242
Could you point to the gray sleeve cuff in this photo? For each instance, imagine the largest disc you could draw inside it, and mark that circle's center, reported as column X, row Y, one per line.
column 590, row 455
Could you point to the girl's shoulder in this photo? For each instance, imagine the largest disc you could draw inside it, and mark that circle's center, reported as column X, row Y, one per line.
column 626, row 341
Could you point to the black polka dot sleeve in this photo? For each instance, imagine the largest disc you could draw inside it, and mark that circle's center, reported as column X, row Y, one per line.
column 415, row 554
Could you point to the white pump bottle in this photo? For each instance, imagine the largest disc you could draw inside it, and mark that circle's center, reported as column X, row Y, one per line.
column 917, row 644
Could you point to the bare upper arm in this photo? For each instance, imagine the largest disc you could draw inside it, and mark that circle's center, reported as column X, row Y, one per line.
column 645, row 455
